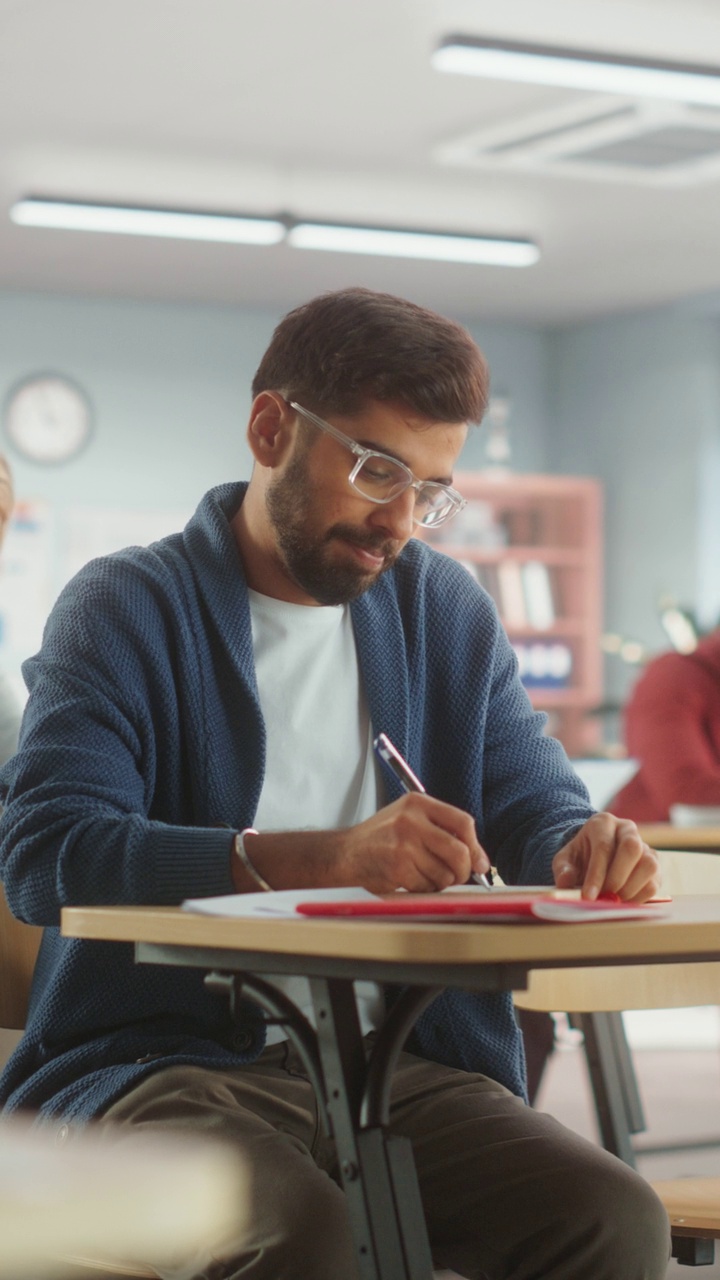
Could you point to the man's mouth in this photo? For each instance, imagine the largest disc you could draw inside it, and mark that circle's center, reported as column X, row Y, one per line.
column 373, row 556
column 368, row 557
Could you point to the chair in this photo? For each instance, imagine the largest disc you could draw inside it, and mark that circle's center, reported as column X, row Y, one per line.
column 19, row 945
column 595, row 999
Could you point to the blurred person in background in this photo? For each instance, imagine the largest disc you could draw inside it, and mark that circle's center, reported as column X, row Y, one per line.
column 9, row 707
column 672, row 726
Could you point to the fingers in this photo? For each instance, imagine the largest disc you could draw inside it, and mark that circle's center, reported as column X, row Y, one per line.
column 424, row 845
column 451, row 837
column 608, row 856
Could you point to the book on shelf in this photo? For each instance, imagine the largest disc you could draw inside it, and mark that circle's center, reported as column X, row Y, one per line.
column 487, row 576
column 537, row 587
column 521, row 526
column 544, row 666
column 512, row 594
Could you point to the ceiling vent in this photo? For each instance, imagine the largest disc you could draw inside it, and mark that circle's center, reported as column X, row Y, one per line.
column 610, row 139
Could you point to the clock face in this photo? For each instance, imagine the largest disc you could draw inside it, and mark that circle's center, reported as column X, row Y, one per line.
column 47, row 418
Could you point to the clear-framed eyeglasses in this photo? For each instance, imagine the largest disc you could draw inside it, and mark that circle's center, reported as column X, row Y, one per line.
column 380, row 478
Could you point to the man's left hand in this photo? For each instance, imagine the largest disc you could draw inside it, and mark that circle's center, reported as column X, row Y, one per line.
column 607, row 856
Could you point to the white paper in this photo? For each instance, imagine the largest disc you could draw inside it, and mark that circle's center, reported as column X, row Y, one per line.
column 282, row 903
column 695, row 815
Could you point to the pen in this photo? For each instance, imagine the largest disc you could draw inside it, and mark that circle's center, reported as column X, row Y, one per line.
column 400, row 767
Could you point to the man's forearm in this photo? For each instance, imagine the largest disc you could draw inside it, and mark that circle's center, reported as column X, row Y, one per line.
column 292, row 860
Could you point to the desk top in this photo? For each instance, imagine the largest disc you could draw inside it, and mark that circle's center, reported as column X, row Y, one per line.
column 690, row 931
column 662, row 835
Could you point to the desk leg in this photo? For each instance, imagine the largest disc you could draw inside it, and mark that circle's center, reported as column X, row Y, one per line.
column 613, row 1081
column 378, row 1169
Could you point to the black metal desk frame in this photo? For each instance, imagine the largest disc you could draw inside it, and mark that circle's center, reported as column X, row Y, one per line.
column 353, row 1090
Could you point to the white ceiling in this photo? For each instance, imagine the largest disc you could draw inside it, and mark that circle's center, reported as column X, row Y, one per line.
column 330, row 109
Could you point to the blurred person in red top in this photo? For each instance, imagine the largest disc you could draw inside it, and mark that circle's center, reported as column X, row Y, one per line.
column 672, row 726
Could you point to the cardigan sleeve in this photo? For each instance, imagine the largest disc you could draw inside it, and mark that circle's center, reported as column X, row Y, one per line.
column 486, row 747
column 98, row 742
column 533, row 801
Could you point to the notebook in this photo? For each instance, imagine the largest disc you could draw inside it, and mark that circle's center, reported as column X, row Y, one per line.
column 486, row 908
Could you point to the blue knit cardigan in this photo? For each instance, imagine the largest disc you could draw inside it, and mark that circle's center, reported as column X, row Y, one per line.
column 143, row 737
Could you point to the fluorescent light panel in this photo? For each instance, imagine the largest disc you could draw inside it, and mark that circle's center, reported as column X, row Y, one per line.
column 439, row 246
column 578, row 69
column 335, row 238
column 174, row 224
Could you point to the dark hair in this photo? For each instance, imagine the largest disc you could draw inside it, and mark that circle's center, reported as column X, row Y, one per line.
column 342, row 350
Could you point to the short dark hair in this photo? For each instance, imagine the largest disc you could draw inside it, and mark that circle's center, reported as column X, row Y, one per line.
column 342, row 350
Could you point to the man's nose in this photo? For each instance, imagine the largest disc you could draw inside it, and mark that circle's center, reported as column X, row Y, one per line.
column 397, row 516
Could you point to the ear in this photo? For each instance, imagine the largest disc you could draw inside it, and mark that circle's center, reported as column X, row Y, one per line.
column 271, row 428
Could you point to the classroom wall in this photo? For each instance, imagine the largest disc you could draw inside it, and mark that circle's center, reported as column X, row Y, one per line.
column 636, row 402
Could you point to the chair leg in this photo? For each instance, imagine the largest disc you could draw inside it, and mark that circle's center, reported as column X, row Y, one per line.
column 613, row 1081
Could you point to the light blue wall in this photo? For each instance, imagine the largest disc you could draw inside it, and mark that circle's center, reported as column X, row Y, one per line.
column 170, row 388
column 637, row 404
column 521, row 368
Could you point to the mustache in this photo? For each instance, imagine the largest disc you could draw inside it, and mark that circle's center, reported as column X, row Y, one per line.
column 374, row 543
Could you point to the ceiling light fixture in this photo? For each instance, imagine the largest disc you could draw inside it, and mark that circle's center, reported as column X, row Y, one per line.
column 71, row 215
column 441, row 246
column 578, row 69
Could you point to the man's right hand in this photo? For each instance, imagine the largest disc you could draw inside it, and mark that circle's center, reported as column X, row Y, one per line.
column 416, row 843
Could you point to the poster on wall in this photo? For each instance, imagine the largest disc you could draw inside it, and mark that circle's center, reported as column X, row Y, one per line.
column 87, row 532
column 44, row 548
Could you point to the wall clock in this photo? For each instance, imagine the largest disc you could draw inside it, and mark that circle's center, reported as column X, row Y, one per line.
column 47, row 418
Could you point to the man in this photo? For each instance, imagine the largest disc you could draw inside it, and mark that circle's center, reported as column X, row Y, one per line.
column 672, row 726
column 9, row 710
column 233, row 676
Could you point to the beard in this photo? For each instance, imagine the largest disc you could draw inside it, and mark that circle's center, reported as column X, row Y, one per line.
column 307, row 558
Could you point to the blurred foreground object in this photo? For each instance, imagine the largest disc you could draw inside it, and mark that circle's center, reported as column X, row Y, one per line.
column 112, row 1195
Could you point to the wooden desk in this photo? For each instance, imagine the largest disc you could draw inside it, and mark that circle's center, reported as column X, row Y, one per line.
column 377, row 1167
column 661, row 835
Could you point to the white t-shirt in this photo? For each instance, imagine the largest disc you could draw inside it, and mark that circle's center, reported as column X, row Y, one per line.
column 320, row 769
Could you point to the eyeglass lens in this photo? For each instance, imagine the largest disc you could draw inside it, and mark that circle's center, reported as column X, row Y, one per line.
column 381, row 479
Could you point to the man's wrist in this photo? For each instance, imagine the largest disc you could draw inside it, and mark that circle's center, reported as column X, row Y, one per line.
column 288, row 860
column 241, row 854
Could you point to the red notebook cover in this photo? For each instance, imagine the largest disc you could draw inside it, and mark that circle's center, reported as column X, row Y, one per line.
column 493, row 906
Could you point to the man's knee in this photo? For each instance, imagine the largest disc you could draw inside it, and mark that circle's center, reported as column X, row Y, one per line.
column 303, row 1234
column 622, row 1223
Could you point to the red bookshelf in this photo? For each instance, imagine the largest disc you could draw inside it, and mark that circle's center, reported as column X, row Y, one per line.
column 552, row 610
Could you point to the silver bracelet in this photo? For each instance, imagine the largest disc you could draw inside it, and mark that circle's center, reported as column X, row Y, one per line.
column 241, row 851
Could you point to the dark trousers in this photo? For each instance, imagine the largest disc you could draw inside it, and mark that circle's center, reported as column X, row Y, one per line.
column 508, row 1193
